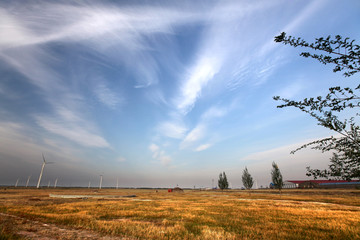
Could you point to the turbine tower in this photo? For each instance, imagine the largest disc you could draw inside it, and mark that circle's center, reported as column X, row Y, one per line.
column 55, row 183
column 17, row 181
column 100, row 181
column 42, row 170
column 27, row 182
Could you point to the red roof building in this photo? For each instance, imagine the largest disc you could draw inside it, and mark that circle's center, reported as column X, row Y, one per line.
column 321, row 184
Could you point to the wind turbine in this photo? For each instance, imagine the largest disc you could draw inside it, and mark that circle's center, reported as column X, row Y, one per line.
column 55, row 183
column 42, row 170
column 100, row 181
column 17, row 181
column 117, row 183
column 27, row 182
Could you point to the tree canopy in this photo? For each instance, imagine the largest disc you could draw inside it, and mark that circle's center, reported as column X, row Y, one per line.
column 223, row 182
column 345, row 55
column 276, row 176
column 247, row 179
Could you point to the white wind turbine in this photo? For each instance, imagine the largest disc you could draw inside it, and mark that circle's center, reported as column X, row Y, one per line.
column 42, row 170
column 17, row 181
column 100, row 181
column 27, row 182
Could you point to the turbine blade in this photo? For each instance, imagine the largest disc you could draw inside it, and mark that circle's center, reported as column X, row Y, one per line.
column 43, row 158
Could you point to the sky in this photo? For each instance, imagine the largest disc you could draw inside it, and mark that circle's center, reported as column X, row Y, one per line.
column 161, row 93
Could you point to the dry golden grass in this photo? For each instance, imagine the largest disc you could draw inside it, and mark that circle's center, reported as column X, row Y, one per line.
column 296, row 214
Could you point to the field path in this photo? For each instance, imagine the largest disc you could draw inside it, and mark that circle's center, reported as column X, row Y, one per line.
column 31, row 229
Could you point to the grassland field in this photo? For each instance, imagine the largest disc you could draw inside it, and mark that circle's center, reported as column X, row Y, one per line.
column 158, row 214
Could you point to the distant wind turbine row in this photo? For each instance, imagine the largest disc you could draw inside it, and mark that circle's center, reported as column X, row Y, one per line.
column 56, row 180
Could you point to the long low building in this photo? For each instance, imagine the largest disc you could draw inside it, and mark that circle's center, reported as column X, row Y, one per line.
column 321, row 184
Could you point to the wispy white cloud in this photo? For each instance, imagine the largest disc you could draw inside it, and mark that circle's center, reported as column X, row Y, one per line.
column 108, row 97
column 291, row 90
column 154, row 149
column 120, row 34
column 227, row 55
column 208, row 120
column 172, row 129
column 303, row 15
column 165, row 159
column 291, row 26
column 215, row 112
column 121, row 159
column 155, row 95
column 74, row 132
column 282, row 154
column 34, row 63
column 68, row 122
column 194, row 136
column 203, row 71
column 16, row 33
column 202, row 147
column 21, row 141
column 257, row 67
column 67, row 115
column 160, row 155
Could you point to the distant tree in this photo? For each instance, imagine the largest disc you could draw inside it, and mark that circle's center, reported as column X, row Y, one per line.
column 247, row 179
column 223, row 182
column 276, row 177
column 345, row 55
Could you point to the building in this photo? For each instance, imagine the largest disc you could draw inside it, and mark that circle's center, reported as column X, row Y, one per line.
column 288, row 184
column 176, row 189
column 321, row 184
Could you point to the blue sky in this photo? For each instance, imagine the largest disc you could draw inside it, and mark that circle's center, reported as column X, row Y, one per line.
column 160, row 93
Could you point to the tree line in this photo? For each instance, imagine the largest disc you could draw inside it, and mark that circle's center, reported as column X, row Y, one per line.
column 248, row 181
